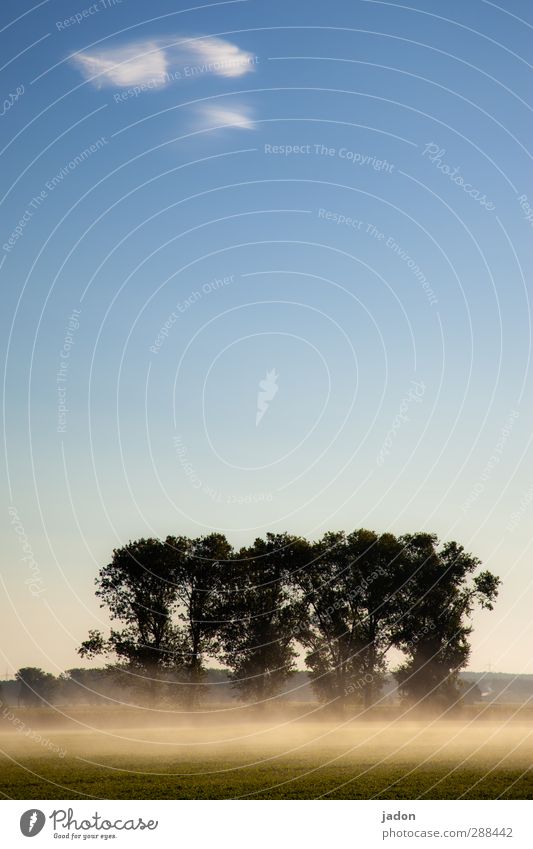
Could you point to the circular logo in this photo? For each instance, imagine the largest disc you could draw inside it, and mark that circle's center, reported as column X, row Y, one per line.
column 32, row 822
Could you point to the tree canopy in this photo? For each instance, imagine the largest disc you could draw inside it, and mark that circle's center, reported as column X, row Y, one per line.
column 343, row 602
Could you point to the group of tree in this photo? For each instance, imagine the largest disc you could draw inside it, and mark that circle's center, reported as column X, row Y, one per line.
column 344, row 602
column 37, row 688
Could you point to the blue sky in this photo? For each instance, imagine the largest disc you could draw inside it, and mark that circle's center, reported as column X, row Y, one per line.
column 325, row 206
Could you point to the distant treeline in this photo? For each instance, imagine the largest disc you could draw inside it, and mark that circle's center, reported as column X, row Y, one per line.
column 110, row 686
column 344, row 602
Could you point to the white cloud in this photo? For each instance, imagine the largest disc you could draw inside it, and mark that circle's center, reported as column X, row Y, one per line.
column 222, row 57
column 134, row 64
column 156, row 63
column 219, row 117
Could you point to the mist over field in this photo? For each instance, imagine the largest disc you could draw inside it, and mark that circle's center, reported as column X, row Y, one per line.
column 123, row 752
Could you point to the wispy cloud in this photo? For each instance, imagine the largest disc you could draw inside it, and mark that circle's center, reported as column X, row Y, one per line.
column 218, row 117
column 156, row 63
column 132, row 64
column 225, row 58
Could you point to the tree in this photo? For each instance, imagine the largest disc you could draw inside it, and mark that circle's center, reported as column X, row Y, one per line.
column 330, row 632
column 347, row 599
column 165, row 595
column 438, row 603
column 89, row 686
column 199, row 570
column 375, row 578
column 351, row 588
column 36, row 687
column 138, row 589
column 262, row 616
column 471, row 693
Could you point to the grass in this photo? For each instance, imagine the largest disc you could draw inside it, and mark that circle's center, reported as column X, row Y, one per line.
column 124, row 758
column 289, row 780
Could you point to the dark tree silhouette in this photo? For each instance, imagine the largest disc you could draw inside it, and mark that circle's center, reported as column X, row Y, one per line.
column 352, row 589
column 262, row 616
column 89, row 686
column 331, row 632
column 165, row 594
column 436, row 621
column 347, row 600
column 138, row 590
column 36, row 687
column 199, row 569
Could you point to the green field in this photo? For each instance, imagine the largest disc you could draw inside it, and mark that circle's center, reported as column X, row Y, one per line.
column 278, row 758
